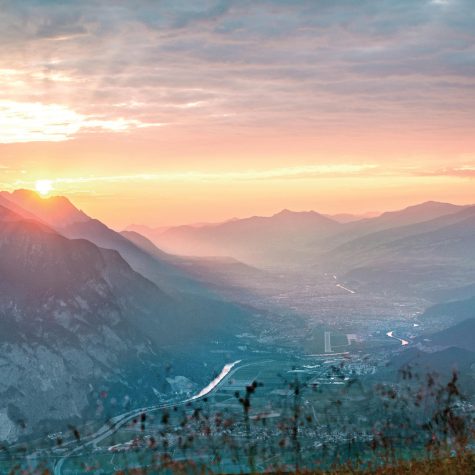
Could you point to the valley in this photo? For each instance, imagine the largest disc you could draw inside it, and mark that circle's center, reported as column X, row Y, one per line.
column 194, row 340
column 237, row 237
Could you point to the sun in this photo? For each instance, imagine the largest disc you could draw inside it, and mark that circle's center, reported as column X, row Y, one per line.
column 43, row 187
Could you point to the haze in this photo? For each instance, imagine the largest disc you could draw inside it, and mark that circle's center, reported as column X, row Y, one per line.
column 237, row 236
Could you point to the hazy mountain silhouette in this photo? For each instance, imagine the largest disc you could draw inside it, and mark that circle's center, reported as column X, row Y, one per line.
column 350, row 218
column 461, row 335
column 375, row 245
column 453, row 293
column 262, row 240
column 298, row 238
column 55, row 210
column 86, row 309
column 146, row 244
column 77, row 319
column 457, row 311
column 443, row 352
column 442, row 362
column 18, row 210
column 219, row 273
column 412, row 214
column 73, row 223
column 415, row 257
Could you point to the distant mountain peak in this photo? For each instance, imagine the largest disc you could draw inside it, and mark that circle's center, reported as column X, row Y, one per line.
column 426, row 210
column 284, row 212
column 433, row 204
column 26, row 194
column 54, row 210
column 288, row 212
column 309, row 216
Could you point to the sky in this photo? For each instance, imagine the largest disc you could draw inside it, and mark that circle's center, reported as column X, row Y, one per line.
column 173, row 111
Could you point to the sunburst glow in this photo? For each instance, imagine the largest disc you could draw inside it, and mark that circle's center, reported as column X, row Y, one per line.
column 44, row 187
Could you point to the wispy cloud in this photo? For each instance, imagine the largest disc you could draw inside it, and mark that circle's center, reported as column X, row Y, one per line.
column 312, row 64
column 466, row 171
column 299, row 172
column 37, row 122
column 286, row 173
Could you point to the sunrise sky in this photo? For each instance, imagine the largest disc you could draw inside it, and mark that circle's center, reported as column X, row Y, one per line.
column 169, row 112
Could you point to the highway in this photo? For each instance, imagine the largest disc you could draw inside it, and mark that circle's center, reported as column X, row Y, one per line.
column 340, row 286
column 345, row 288
column 114, row 424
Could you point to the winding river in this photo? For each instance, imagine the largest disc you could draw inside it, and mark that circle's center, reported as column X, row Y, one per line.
column 403, row 342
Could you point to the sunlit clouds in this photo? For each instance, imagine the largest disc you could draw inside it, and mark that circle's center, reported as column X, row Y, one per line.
column 312, row 67
column 36, row 122
column 255, row 105
column 302, row 172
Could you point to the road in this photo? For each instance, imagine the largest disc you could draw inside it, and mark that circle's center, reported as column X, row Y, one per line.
column 327, row 341
column 225, row 371
column 340, row 286
column 346, row 288
column 119, row 421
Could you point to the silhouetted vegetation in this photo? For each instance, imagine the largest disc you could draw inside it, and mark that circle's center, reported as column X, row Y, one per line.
column 419, row 425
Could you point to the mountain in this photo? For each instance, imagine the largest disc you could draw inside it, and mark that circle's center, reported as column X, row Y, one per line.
column 411, row 215
column 147, row 231
column 77, row 321
column 429, row 252
column 455, row 311
column 364, row 230
column 55, row 211
column 367, row 246
column 190, row 283
column 461, row 335
column 255, row 241
column 155, row 267
column 443, row 362
column 293, row 238
column 146, row 244
column 67, row 220
column 462, row 292
column 444, row 352
column 350, row 218
column 224, row 274
column 18, row 210
column 452, row 242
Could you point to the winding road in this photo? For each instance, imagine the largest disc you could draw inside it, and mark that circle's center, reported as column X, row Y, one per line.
column 119, row 421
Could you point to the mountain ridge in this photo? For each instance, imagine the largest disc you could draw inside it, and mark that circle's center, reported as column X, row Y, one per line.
column 77, row 319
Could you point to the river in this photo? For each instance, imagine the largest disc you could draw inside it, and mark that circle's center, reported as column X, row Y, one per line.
column 403, row 342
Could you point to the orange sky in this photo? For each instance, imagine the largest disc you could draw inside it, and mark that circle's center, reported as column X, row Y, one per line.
column 170, row 113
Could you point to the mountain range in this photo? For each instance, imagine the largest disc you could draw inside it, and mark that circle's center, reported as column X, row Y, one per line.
column 416, row 257
column 426, row 241
column 256, row 240
column 87, row 311
column 78, row 320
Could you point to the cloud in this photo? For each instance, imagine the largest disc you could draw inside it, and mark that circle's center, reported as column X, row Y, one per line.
column 306, row 65
column 284, row 173
column 36, row 122
column 462, row 171
column 295, row 172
